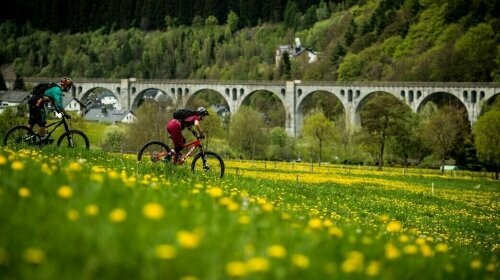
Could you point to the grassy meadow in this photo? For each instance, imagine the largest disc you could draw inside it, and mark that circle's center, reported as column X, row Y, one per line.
column 67, row 214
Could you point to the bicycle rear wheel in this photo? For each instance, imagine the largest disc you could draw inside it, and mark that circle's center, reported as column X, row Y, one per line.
column 209, row 164
column 19, row 136
column 74, row 139
column 148, row 151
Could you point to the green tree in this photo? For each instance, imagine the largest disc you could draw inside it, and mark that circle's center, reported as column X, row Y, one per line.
column 477, row 51
column 445, row 132
column 19, row 83
column 285, row 66
column 407, row 143
column 247, row 133
column 281, row 147
column 319, row 130
column 232, row 21
column 381, row 118
column 292, row 15
column 3, row 86
column 487, row 138
column 150, row 125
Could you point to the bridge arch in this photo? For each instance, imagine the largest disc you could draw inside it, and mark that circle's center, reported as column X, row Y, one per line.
column 97, row 90
column 304, row 98
column 365, row 97
column 442, row 98
column 148, row 93
column 208, row 91
column 489, row 102
column 247, row 99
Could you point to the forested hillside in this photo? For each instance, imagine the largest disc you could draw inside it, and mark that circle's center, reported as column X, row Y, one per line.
column 402, row 40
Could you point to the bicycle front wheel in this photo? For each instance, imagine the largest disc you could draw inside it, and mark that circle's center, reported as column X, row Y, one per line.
column 149, row 152
column 74, row 139
column 209, row 164
column 19, row 136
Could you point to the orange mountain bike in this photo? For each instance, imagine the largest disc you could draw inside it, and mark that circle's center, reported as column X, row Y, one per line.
column 208, row 162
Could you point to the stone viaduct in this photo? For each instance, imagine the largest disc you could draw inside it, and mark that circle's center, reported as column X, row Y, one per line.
column 352, row 95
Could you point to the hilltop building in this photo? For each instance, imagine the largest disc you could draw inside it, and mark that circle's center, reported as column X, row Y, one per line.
column 297, row 53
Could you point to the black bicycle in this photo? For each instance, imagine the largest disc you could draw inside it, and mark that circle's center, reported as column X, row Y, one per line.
column 22, row 135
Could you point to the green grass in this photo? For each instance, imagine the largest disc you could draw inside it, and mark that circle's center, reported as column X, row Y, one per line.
column 221, row 228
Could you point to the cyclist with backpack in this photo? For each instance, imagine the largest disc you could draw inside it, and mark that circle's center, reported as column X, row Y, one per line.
column 184, row 118
column 44, row 93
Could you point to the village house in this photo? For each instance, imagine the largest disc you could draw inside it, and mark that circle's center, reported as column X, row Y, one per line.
column 110, row 116
column 10, row 98
column 71, row 104
column 297, row 53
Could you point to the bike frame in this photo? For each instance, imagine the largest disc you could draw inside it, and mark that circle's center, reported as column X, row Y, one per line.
column 57, row 124
column 195, row 144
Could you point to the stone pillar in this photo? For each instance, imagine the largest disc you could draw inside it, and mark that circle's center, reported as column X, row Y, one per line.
column 125, row 94
column 290, row 107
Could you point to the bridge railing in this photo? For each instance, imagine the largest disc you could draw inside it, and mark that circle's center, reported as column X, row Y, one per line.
column 278, row 83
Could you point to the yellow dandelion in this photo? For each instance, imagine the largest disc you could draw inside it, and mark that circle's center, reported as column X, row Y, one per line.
column 394, row 226
column 426, row 250
column 420, row 241
column 490, row 267
column 96, row 177
column 335, row 232
column 188, row 239
column 475, row 264
column 327, row 223
column 118, row 215
column 153, row 211
column 383, row 218
column 17, row 166
column 236, row 269
column 403, row 238
column 353, row 262
column 73, row 215
column 91, row 210
column 441, row 248
column 65, row 191
column 410, row 249
column 267, row 207
column 214, row 192
column 225, row 201
column 300, row 261
column 165, row 252
column 244, row 219
column 233, row 206
column 391, row 252
column 258, row 264
column 3, row 160
column 189, row 277
column 24, row 192
column 34, row 256
column 46, row 169
column 74, row 167
column 373, row 268
column 276, row 251
column 315, row 223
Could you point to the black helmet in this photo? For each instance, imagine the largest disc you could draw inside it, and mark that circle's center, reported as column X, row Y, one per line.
column 202, row 111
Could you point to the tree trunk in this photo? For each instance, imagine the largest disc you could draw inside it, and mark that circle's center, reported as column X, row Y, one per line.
column 320, row 146
column 442, row 165
column 381, row 157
